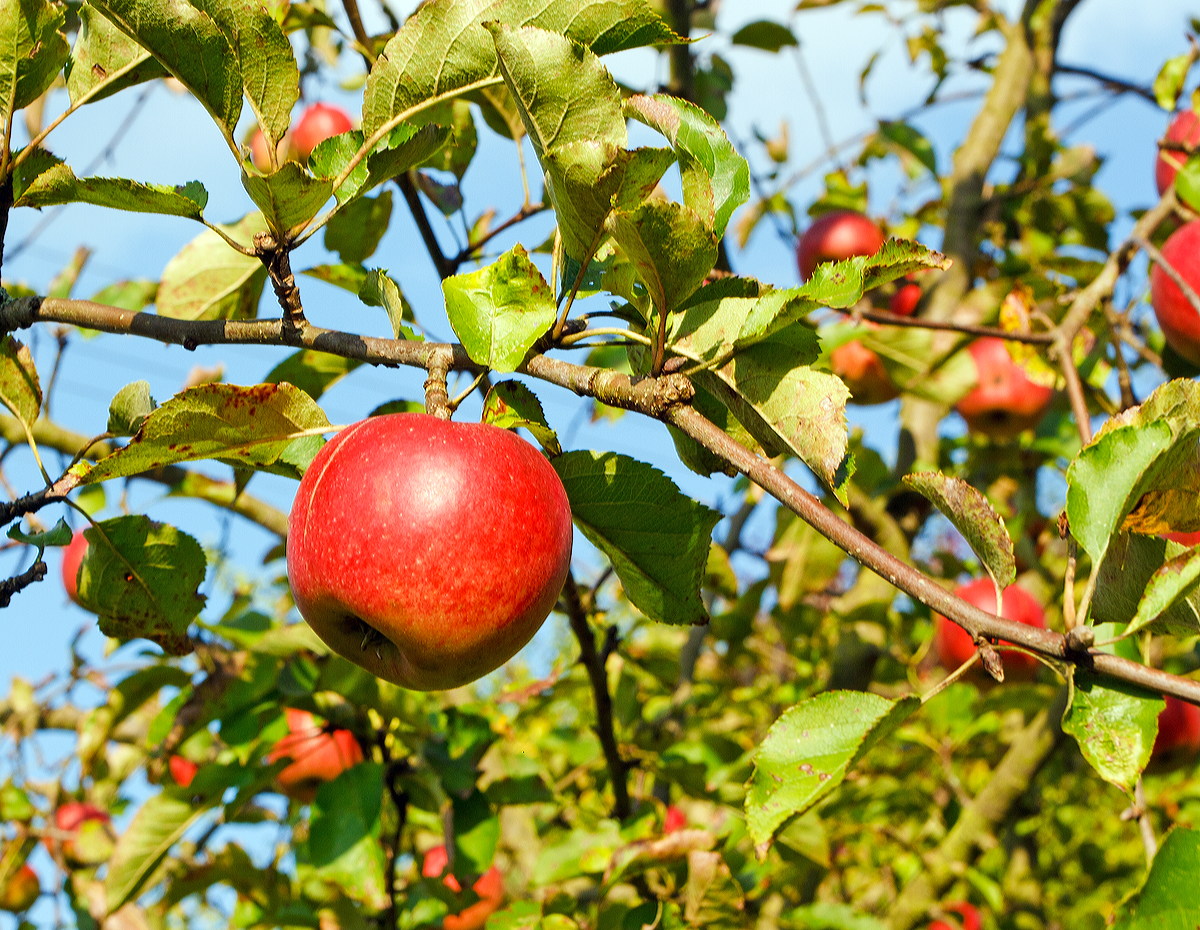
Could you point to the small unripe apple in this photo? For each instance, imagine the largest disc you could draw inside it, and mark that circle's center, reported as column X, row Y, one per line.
column 72, row 558
column 967, row 915
column 489, row 886
column 20, row 891
column 1178, row 318
column 84, row 833
column 954, row 644
column 836, row 235
column 1184, row 130
column 428, row 551
column 864, row 373
column 182, row 770
column 318, row 123
column 1178, row 731
column 905, row 300
column 1005, row 402
column 318, row 755
column 675, row 820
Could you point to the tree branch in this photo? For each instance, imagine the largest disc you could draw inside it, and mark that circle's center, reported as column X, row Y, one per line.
column 918, row 322
column 10, row 586
column 443, row 265
column 1113, row 83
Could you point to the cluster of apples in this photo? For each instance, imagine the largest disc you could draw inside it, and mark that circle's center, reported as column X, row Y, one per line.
column 317, row 123
column 1004, row 402
column 1176, row 316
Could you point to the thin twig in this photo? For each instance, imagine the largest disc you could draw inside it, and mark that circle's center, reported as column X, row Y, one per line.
column 10, row 586
column 892, row 319
column 471, row 248
column 1115, row 83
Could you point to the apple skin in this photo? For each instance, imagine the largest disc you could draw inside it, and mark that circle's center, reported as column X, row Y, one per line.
column 1186, row 539
column 489, row 887
column 182, row 770
column 968, row 917
column 864, row 374
column 1179, row 320
column 674, row 820
column 954, row 645
column 905, row 300
column 451, row 541
column 1184, row 129
column 1005, row 402
column 73, row 555
column 68, row 818
column 317, row 755
column 20, row 891
column 318, row 123
column 834, row 236
column 260, row 152
column 1178, row 731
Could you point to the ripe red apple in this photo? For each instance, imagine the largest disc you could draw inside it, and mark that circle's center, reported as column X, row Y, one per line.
column 83, row 833
column 954, row 645
column 834, row 236
column 674, row 820
column 72, row 558
column 318, row 755
column 260, row 152
column 968, row 917
column 905, row 300
column 864, row 374
column 1005, row 402
column 20, row 891
column 1179, row 320
column 427, row 551
column 318, row 123
column 489, row 887
column 1187, row 539
column 1178, row 731
column 1185, row 130
column 182, row 770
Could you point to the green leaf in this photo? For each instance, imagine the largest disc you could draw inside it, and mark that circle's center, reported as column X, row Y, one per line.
column 129, row 409
column 656, row 538
column 1171, row 586
column 809, row 750
column 106, row 60
column 1126, row 575
column 254, row 426
column 712, row 897
column 905, row 137
column 208, row 280
column 356, row 231
column 142, row 578
column 133, row 296
column 312, row 371
column 32, row 52
column 971, row 514
column 766, row 34
column 289, row 197
column 15, row 804
column 348, row 277
column 379, row 290
column 456, row 156
column 716, row 179
column 269, row 73
column 1114, row 724
column 826, row 916
column 20, row 391
column 669, row 245
column 157, row 826
column 401, row 149
column 58, row 535
column 1169, row 82
column 344, row 837
column 59, row 184
column 511, row 404
column 191, row 45
column 1187, row 183
column 562, row 91
column 1169, row 899
column 499, row 312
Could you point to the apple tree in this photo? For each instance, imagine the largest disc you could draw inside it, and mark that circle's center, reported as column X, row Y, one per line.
column 770, row 702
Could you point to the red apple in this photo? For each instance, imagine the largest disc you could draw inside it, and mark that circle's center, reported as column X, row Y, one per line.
column 83, row 832
column 1185, row 130
column 968, row 917
column 905, row 300
column 1005, row 402
column 1178, row 731
column 427, row 551
column 864, row 374
column 489, row 887
column 834, row 236
column 318, row 123
column 318, row 755
column 72, row 558
column 675, row 820
column 20, row 891
column 954, row 644
column 1179, row 320
column 182, row 770
column 1187, row 539
column 260, row 152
